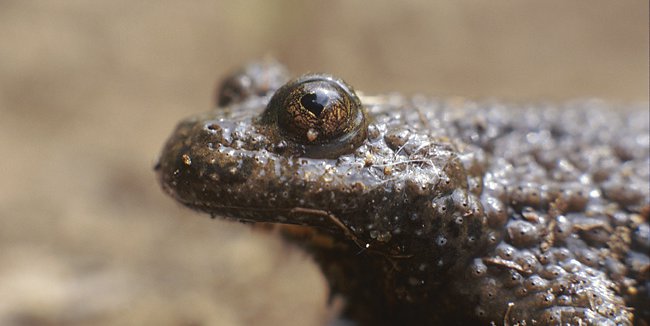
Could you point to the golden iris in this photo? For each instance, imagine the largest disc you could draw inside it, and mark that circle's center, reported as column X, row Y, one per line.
column 317, row 110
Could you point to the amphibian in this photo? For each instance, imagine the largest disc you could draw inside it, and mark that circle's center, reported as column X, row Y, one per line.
column 424, row 211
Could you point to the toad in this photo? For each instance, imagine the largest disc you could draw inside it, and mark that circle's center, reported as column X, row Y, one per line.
column 426, row 211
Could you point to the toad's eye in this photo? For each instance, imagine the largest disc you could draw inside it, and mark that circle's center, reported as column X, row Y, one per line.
column 255, row 79
column 317, row 110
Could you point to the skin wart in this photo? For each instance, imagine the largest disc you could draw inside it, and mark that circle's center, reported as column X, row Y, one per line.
column 428, row 211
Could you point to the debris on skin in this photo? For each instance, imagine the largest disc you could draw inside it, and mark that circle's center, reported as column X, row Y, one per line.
column 535, row 216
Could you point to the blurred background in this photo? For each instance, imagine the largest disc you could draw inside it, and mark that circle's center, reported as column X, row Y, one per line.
column 89, row 91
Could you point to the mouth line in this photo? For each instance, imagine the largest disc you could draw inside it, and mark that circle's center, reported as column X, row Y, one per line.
column 272, row 210
column 318, row 218
column 324, row 220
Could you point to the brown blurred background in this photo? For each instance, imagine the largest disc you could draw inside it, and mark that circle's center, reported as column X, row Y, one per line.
column 90, row 90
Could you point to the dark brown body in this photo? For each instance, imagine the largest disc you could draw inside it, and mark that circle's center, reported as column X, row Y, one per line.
column 448, row 211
